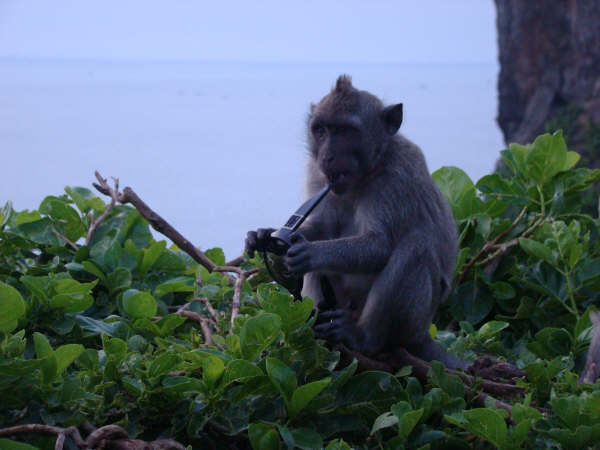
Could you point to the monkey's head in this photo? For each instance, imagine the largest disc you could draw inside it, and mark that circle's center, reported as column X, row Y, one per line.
column 348, row 132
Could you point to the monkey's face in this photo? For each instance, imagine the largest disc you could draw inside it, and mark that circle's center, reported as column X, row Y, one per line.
column 348, row 130
column 337, row 146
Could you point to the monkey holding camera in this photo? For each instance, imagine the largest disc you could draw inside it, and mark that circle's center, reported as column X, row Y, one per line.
column 378, row 253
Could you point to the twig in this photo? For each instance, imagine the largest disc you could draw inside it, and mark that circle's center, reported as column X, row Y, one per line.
column 237, row 288
column 200, row 319
column 402, row 357
column 71, row 244
column 60, row 432
column 114, row 196
column 236, row 261
column 157, row 222
column 490, row 246
column 209, row 308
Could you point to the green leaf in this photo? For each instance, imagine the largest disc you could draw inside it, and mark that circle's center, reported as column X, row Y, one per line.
column 570, row 161
column 71, row 303
column 546, row 157
column 169, row 323
column 459, row 190
column 139, row 304
column 150, row 255
column 114, row 347
column 338, row 444
column 301, row 437
column 482, row 422
column 42, row 345
column 518, row 158
column 293, row 313
column 451, row 384
column 216, row 255
column 386, row 420
column 37, row 285
column 163, row 364
column 85, row 199
column 263, row 437
column 12, row 307
column 407, row 419
column 6, row 213
column 27, row 217
column 304, row 394
column 240, row 370
column 66, row 354
column 282, row 377
column 178, row 284
column 551, row 342
column 7, row 444
column 491, row 329
column 212, row 369
column 49, row 368
column 119, row 280
column 258, row 333
column 502, row 290
column 134, row 386
column 537, row 250
column 93, row 268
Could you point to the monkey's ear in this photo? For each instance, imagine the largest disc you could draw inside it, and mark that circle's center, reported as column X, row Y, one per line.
column 392, row 118
column 312, row 107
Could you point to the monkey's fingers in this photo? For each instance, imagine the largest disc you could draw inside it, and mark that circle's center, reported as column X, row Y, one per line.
column 296, row 250
column 263, row 235
column 332, row 315
column 297, row 238
column 331, row 332
column 299, row 264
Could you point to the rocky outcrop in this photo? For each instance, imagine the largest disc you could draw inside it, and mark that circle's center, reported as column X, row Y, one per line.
column 549, row 59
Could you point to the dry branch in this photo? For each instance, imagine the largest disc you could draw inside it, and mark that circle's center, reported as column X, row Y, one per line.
column 106, row 437
column 156, row 221
column 113, row 193
column 200, row 319
column 401, row 358
column 71, row 244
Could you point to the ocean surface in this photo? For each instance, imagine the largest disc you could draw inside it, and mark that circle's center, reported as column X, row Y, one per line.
column 217, row 148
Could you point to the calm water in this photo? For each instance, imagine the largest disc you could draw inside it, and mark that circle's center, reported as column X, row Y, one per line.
column 216, row 148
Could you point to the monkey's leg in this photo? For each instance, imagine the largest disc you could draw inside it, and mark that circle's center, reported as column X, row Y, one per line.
column 401, row 305
column 318, row 287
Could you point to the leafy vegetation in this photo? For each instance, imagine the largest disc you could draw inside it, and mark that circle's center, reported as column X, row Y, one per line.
column 93, row 329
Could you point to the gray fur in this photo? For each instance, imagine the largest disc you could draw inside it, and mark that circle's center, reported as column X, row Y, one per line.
column 378, row 253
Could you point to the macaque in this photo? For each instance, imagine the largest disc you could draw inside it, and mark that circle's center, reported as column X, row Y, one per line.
column 378, row 253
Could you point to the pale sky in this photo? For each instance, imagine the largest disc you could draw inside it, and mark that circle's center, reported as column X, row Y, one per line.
column 273, row 30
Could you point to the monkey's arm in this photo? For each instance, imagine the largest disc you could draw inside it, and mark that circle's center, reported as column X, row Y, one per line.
column 366, row 253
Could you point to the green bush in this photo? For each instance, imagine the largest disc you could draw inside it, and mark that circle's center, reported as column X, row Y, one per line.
column 92, row 333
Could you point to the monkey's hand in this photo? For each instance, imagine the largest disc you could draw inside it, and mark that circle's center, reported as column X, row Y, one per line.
column 300, row 256
column 337, row 326
column 257, row 240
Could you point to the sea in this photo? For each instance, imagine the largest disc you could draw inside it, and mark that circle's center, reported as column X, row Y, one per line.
column 217, row 148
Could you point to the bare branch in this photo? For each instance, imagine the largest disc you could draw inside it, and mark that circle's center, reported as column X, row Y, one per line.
column 213, row 313
column 71, row 244
column 237, row 296
column 236, row 261
column 114, row 197
column 200, row 319
column 155, row 220
column 492, row 245
column 61, row 433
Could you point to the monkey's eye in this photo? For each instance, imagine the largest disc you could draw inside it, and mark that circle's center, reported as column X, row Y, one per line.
column 319, row 132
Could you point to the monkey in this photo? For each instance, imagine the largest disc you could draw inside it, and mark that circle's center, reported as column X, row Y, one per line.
column 378, row 253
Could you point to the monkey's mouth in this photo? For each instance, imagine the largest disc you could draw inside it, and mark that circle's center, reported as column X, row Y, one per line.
column 339, row 181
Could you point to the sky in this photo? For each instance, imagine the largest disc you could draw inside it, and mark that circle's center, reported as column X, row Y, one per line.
column 274, row 30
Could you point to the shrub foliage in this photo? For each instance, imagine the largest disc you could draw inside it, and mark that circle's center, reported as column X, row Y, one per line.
column 94, row 333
